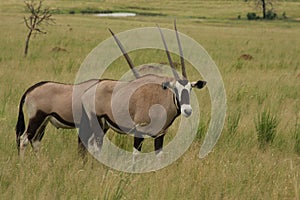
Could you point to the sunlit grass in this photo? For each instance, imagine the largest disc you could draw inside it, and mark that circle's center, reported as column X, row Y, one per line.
column 236, row 169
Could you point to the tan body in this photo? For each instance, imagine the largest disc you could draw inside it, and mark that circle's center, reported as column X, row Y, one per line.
column 139, row 107
column 122, row 100
column 47, row 101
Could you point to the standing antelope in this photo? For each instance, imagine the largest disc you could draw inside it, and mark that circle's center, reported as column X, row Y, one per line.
column 47, row 101
column 51, row 102
column 147, row 105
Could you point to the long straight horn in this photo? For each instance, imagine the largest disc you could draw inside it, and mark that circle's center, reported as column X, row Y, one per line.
column 135, row 73
column 180, row 52
column 168, row 54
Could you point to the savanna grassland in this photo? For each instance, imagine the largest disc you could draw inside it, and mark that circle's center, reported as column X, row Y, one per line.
column 263, row 94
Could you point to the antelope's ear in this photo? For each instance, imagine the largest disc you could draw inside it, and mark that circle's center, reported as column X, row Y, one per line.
column 165, row 85
column 199, row 84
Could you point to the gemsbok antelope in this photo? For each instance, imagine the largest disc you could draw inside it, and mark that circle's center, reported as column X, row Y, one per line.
column 145, row 106
column 52, row 102
column 47, row 102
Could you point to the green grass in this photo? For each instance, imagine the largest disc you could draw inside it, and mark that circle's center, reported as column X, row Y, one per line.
column 266, row 124
column 236, row 169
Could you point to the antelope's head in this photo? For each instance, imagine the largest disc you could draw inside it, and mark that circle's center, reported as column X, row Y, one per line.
column 181, row 87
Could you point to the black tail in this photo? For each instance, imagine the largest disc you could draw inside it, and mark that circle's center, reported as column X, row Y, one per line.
column 20, row 127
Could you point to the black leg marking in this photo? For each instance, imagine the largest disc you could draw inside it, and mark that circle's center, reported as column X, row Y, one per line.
column 97, row 130
column 61, row 120
column 138, row 142
column 88, row 129
column 158, row 143
column 34, row 124
column 85, row 124
column 40, row 134
column 103, row 124
column 85, row 132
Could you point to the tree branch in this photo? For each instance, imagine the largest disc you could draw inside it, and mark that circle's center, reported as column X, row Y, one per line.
column 26, row 23
column 38, row 17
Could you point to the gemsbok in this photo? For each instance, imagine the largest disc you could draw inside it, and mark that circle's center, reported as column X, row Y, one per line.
column 47, row 102
column 52, row 102
column 146, row 106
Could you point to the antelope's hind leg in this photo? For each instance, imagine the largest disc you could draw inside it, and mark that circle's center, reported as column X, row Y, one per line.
column 34, row 125
column 36, row 141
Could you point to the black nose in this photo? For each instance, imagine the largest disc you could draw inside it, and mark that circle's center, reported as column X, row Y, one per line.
column 188, row 112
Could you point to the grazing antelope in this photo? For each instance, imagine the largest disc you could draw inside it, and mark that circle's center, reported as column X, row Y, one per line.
column 47, row 102
column 147, row 105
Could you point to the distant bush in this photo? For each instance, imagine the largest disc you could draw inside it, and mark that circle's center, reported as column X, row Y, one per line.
column 252, row 16
column 93, row 11
column 271, row 15
column 284, row 16
column 56, row 11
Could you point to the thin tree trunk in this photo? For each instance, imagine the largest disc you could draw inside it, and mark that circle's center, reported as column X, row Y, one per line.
column 264, row 8
column 27, row 43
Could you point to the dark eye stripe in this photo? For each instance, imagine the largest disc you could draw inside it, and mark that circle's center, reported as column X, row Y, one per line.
column 176, row 93
column 185, row 99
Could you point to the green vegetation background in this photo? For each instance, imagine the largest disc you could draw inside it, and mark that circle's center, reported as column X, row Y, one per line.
column 261, row 89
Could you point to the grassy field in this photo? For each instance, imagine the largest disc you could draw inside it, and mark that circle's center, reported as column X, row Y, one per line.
column 240, row 167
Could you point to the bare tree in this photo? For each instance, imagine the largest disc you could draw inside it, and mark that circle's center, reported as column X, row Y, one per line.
column 38, row 17
column 264, row 4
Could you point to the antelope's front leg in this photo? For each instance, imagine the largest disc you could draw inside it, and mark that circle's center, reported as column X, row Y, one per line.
column 158, row 146
column 137, row 147
column 96, row 140
column 90, row 132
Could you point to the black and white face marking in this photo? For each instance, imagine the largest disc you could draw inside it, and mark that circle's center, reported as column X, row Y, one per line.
column 182, row 89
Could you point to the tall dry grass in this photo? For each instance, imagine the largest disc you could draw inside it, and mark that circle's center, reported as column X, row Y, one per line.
column 236, row 169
